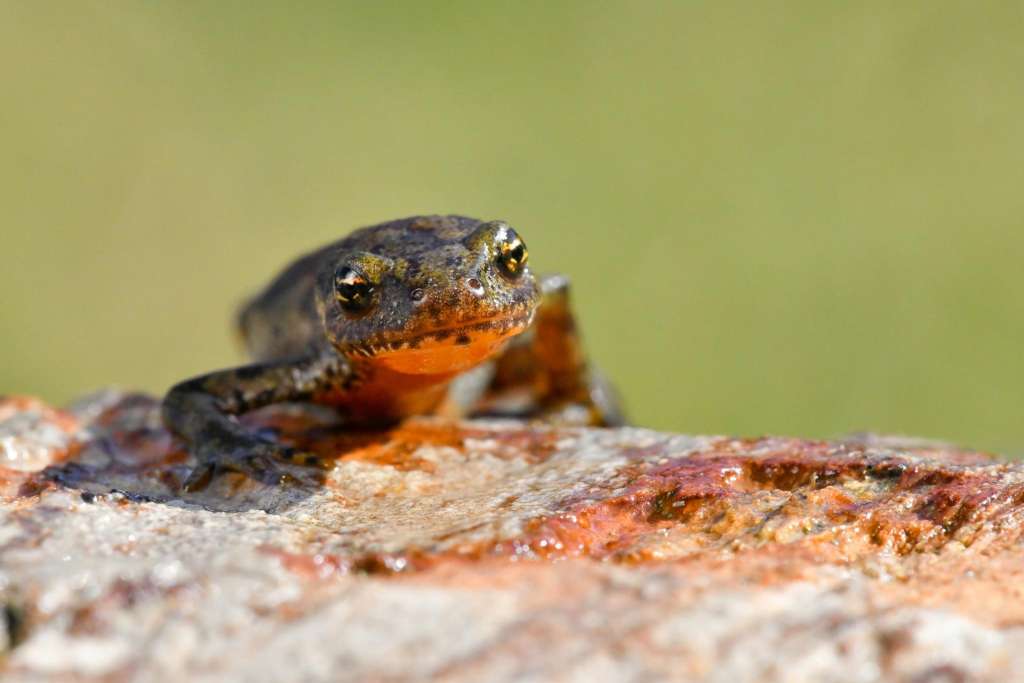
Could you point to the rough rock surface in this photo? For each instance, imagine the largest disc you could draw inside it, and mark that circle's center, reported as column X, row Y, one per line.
column 490, row 551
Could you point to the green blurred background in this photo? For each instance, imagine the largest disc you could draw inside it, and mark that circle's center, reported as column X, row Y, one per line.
column 798, row 218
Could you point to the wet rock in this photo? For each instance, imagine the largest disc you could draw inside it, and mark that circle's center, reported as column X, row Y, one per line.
column 501, row 551
column 32, row 434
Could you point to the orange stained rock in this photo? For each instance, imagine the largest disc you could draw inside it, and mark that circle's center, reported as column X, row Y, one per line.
column 687, row 553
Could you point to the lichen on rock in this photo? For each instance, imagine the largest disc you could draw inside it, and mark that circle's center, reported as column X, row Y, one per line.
column 489, row 550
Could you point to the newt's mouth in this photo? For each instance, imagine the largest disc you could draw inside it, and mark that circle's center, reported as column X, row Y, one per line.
column 445, row 350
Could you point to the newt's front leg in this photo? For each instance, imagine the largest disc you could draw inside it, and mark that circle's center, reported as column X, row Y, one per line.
column 546, row 372
column 202, row 411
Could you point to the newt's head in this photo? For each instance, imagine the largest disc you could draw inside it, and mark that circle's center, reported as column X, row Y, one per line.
column 427, row 295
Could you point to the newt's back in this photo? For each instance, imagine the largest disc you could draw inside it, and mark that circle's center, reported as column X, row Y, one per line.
column 281, row 321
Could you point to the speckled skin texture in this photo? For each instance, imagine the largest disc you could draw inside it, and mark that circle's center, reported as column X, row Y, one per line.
column 378, row 325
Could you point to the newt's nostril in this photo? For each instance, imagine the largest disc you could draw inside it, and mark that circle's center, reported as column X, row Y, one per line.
column 417, row 294
column 475, row 286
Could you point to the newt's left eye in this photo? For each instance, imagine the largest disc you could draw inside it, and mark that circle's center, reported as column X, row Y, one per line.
column 353, row 290
column 512, row 254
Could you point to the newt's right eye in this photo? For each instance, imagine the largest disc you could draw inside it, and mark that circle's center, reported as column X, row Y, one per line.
column 353, row 290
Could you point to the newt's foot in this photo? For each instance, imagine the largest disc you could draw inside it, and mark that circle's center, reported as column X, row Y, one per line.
column 260, row 463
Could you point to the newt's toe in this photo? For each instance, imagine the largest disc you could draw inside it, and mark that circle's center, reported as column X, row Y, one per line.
column 307, row 459
column 198, row 479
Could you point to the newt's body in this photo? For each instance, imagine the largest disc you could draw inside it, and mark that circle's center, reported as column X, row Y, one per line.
column 379, row 325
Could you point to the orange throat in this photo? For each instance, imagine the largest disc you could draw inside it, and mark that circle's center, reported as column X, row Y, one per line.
column 441, row 359
column 449, row 351
column 414, row 379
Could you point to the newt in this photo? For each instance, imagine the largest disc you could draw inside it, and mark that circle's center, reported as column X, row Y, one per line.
column 422, row 315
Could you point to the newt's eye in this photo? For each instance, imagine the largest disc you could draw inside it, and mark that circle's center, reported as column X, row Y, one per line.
column 353, row 289
column 512, row 253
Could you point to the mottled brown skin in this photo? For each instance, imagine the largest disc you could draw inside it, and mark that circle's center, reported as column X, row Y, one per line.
column 384, row 324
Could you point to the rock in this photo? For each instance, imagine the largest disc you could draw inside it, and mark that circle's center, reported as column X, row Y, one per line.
column 491, row 551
